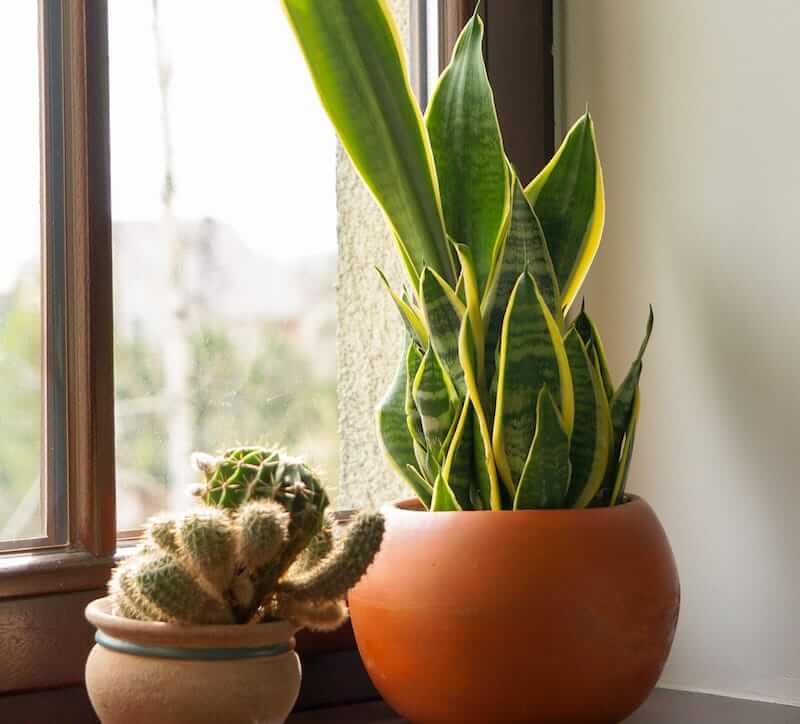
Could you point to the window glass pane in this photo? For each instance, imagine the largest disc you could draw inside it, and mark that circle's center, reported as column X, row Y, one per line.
column 223, row 197
column 21, row 511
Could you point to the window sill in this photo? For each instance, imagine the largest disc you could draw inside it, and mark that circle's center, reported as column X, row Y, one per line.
column 665, row 706
column 54, row 571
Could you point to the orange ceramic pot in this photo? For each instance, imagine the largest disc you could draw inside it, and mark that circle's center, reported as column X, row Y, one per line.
column 542, row 616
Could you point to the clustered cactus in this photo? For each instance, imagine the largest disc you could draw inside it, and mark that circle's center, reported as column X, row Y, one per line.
column 261, row 546
column 502, row 398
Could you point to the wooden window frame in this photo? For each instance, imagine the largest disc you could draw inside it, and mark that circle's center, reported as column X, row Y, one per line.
column 78, row 412
column 44, row 638
column 518, row 47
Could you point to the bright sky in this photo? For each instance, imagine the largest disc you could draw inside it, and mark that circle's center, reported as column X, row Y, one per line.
column 19, row 138
column 252, row 146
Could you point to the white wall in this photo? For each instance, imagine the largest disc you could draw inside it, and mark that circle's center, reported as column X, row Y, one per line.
column 697, row 107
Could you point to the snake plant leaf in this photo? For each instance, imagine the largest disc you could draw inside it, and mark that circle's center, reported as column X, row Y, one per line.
column 621, row 407
column 485, row 467
column 473, row 314
column 443, row 500
column 429, row 464
column 545, row 479
column 591, row 338
column 622, row 402
column 475, row 499
column 532, row 354
column 524, row 247
column 443, row 311
column 408, row 314
column 591, row 432
column 468, row 151
column 419, row 485
column 413, row 419
column 394, row 436
column 457, row 469
column 433, row 401
column 487, row 485
column 618, row 494
column 568, row 198
column 357, row 63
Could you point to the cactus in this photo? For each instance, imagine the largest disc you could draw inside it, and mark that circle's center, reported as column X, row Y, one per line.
column 240, row 474
column 266, row 552
column 340, row 570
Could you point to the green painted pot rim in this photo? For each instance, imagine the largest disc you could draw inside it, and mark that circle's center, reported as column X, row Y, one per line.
column 188, row 654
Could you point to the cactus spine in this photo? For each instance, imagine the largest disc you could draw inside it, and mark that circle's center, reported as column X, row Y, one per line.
column 261, row 547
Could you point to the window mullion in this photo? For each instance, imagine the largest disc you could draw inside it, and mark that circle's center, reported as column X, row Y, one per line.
column 89, row 299
column 54, row 433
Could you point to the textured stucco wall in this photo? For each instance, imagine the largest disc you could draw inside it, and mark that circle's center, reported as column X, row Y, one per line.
column 369, row 333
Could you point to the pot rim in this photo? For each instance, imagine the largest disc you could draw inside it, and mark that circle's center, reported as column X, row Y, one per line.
column 235, row 639
column 405, row 506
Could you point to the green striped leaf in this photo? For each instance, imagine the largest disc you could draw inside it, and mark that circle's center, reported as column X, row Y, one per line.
column 485, row 468
column 468, row 151
column 443, row 311
column 531, row 355
column 620, row 408
column 473, row 315
column 413, row 420
column 443, row 500
column 458, row 466
column 591, row 432
column 546, row 477
column 408, row 314
column 622, row 402
column 433, row 401
column 487, row 486
column 524, row 248
column 357, row 63
column 618, row 494
column 594, row 345
column 394, row 436
column 569, row 200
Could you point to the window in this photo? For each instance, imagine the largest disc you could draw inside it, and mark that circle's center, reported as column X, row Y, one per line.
column 224, row 249
column 102, row 423
column 23, row 499
column 224, row 239
column 57, row 253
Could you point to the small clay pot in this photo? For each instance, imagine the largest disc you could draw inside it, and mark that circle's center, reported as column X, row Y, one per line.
column 143, row 672
column 540, row 616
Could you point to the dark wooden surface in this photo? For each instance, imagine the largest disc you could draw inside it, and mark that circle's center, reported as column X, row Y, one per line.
column 519, row 60
column 89, row 301
column 44, row 642
column 70, row 704
column 663, row 707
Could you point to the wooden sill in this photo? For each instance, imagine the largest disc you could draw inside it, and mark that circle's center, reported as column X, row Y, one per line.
column 664, row 707
column 43, row 572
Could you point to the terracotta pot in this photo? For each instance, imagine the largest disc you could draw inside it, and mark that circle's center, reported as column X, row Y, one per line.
column 547, row 616
column 147, row 673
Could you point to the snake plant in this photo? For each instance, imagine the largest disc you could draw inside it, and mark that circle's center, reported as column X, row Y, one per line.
column 502, row 398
